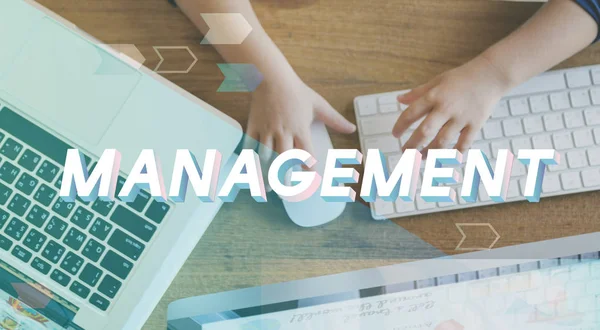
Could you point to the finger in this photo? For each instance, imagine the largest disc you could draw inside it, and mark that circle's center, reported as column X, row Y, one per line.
column 428, row 129
column 284, row 143
column 265, row 153
column 304, row 142
column 328, row 115
column 466, row 139
column 251, row 140
column 415, row 112
column 414, row 94
column 446, row 136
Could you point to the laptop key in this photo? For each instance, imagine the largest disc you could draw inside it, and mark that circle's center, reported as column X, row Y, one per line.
column 4, row 216
column 47, row 171
column 53, row 252
column 93, row 250
column 116, row 264
column 1, row 136
column 9, row 172
column 34, row 240
column 29, row 160
column 72, row 263
column 79, row 289
column 100, row 229
column 5, row 243
column 99, row 302
column 5, row 193
column 21, row 253
column 45, row 195
column 103, row 207
column 133, row 223
column 140, row 201
column 109, row 286
column 11, row 149
column 60, row 277
column 26, row 183
column 37, row 216
column 82, row 218
column 40, row 265
column 90, row 275
column 19, row 204
column 63, row 208
column 16, row 229
column 126, row 244
column 56, row 227
column 157, row 211
column 74, row 239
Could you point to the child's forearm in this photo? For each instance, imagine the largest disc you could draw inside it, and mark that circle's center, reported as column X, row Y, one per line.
column 559, row 30
column 257, row 49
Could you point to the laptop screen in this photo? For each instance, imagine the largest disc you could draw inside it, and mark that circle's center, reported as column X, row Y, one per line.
column 27, row 305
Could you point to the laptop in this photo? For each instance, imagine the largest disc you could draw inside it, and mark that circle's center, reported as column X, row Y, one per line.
column 552, row 284
column 98, row 265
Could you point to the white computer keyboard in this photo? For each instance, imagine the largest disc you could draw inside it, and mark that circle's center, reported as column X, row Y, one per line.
column 556, row 110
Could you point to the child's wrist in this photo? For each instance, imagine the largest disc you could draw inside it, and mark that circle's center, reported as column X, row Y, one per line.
column 501, row 78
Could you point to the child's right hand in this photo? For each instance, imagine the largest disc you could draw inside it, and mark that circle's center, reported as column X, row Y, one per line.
column 455, row 104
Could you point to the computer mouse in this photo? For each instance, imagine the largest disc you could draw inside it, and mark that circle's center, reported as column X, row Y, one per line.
column 314, row 211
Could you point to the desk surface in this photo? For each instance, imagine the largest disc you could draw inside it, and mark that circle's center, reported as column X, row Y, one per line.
column 342, row 49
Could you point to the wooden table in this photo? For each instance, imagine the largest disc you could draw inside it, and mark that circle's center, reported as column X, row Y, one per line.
column 342, row 49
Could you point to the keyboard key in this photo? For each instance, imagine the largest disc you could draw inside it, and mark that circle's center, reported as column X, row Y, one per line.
column 100, row 229
column 56, row 227
column 423, row 205
column 595, row 94
column 34, row 240
column 560, row 101
column 514, row 190
column 60, row 277
column 26, row 183
column 404, row 207
column 512, row 127
column 386, row 144
column 45, row 195
column 143, row 197
column 133, row 223
column 383, row 208
column 82, row 218
column 79, row 289
column 580, row 98
column 583, row 138
column 521, row 144
column 63, row 208
column 37, row 216
column 594, row 156
column 592, row 116
column 21, row 254
column 128, row 245
column 579, row 78
column 16, row 229
column 53, row 252
column 379, row 124
column 1, row 136
column 387, row 108
column 501, row 110
column 574, row 119
column 5, row 193
column 116, row 264
column 40, row 265
column 367, row 106
column 74, row 239
column 570, row 180
column 29, row 160
column 93, row 250
column 109, row 286
column 102, row 207
column 591, row 177
column 47, row 171
column 19, row 204
column 542, row 142
column 492, row 130
column 533, row 124
column 499, row 145
column 519, row 106
column 5, row 243
column 8, row 172
column 157, row 211
column 90, row 275
column 4, row 216
column 553, row 122
column 539, row 103
column 577, row 158
column 11, row 149
column 99, row 302
column 58, row 183
column 562, row 141
column 72, row 263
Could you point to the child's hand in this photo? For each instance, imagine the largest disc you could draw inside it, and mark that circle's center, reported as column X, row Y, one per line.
column 455, row 104
column 282, row 112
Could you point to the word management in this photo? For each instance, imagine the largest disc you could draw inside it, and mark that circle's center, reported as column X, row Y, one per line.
column 440, row 168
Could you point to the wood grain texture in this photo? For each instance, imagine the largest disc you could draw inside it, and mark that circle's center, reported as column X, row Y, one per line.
column 342, row 48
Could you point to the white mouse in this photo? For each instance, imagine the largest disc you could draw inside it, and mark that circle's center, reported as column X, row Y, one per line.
column 315, row 211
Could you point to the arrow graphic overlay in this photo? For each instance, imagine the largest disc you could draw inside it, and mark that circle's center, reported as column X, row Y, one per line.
column 162, row 59
column 240, row 77
column 460, row 226
column 226, row 29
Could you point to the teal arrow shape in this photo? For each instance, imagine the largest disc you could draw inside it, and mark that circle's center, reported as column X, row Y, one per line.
column 240, row 77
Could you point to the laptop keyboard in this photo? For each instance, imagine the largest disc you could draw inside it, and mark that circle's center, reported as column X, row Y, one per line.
column 88, row 247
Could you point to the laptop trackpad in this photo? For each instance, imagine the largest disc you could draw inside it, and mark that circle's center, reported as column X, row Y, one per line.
column 70, row 81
